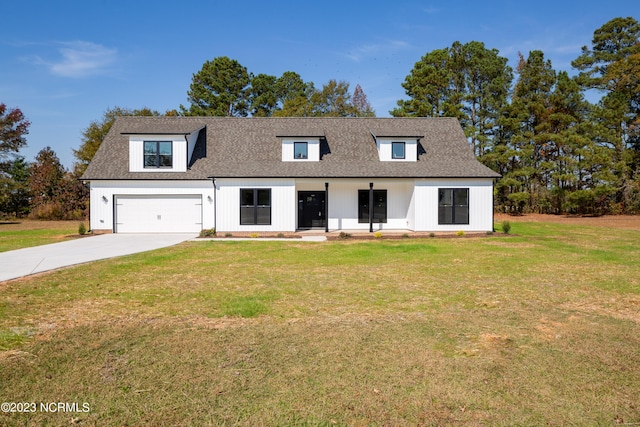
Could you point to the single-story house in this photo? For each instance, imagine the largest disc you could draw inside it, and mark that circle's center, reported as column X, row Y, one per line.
column 186, row 174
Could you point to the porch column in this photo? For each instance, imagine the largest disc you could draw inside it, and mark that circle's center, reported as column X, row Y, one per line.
column 326, row 207
column 371, row 207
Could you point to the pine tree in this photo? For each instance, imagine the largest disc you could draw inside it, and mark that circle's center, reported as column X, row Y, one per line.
column 612, row 65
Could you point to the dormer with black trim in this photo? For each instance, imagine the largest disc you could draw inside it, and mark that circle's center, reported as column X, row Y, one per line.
column 161, row 152
column 301, row 148
column 397, row 148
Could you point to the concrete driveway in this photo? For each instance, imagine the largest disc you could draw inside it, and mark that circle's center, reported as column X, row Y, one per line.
column 23, row 262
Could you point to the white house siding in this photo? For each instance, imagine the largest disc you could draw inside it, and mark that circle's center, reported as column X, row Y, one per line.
column 480, row 204
column 313, row 150
column 283, row 204
column 410, row 147
column 103, row 192
column 343, row 203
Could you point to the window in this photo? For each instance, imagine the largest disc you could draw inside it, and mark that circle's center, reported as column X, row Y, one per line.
column 379, row 206
column 397, row 150
column 158, row 154
column 453, row 206
column 255, row 206
column 300, row 150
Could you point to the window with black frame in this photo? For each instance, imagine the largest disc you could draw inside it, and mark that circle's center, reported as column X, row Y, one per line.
column 379, row 206
column 300, row 150
column 397, row 150
column 255, row 206
column 158, row 154
column 453, row 206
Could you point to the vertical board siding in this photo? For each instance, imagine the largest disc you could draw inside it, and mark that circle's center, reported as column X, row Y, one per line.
column 385, row 149
column 283, row 204
column 103, row 192
column 411, row 204
column 343, row 203
column 313, row 146
column 480, row 204
column 136, row 152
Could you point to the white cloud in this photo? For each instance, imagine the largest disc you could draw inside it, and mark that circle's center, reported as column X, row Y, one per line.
column 376, row 49
column 81, row 59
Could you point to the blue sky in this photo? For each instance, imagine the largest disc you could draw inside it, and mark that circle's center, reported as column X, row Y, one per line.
column 63, row 63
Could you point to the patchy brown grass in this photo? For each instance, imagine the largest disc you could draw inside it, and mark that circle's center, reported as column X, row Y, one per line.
column 623, row 222
column 17, row 234
column 541, row 328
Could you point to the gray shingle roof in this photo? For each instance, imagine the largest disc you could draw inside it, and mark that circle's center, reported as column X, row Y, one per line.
column 251, row 147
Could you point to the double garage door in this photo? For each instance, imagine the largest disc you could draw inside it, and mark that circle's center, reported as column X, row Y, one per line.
column 158, row 214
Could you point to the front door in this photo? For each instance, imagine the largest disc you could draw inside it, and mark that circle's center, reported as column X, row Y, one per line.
column 311, row 209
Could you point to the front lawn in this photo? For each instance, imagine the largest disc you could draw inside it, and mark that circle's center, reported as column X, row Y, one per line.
column 539, row 328
column 17, row 234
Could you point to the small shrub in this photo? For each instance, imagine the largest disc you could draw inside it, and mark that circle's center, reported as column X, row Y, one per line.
column 211, row 232
column 280, row 235
column 460, row 233
column 506, row 227
column 489, row 233
column 344, row 235
column 377, row 235
column 82, row 229
column 228, row 235
column 253, row 235
column 405, row 236
column 432, row 234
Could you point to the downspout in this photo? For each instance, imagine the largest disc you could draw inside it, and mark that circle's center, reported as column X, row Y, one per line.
column 326, row 207
column 371, row 207
column 493, row 205
column 215, row 203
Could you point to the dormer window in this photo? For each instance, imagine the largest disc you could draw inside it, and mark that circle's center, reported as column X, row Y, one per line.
column 301, row 150
column 158, row 154
column 398, row 150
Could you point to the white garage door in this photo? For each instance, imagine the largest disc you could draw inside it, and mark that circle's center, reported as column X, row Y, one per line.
column 158, row 214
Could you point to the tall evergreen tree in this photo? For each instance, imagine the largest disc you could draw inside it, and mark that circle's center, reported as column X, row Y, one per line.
column 429, row 88
column 612, row 65
column 290, row 86
column 220, row 88
column 483, row 79
column 571, row 151
column 263, row 95
column 14, row 189
column 526, row 180
column 466, row 81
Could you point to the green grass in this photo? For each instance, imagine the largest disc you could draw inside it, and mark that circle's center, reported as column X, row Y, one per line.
column 27, row 233
column 541, row 327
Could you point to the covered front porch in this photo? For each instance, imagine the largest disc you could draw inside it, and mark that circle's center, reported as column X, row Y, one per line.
column 355, row 205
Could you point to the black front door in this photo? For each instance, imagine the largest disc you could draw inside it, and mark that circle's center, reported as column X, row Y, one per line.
column 311, row 209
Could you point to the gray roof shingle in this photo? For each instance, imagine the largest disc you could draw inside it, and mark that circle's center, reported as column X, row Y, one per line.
column 251, row 147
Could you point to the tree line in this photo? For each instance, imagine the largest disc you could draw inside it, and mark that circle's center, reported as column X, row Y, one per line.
column 556, row 151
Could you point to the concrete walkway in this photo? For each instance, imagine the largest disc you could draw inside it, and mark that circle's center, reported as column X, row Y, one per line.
column 23, row 262
column 263, row 239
